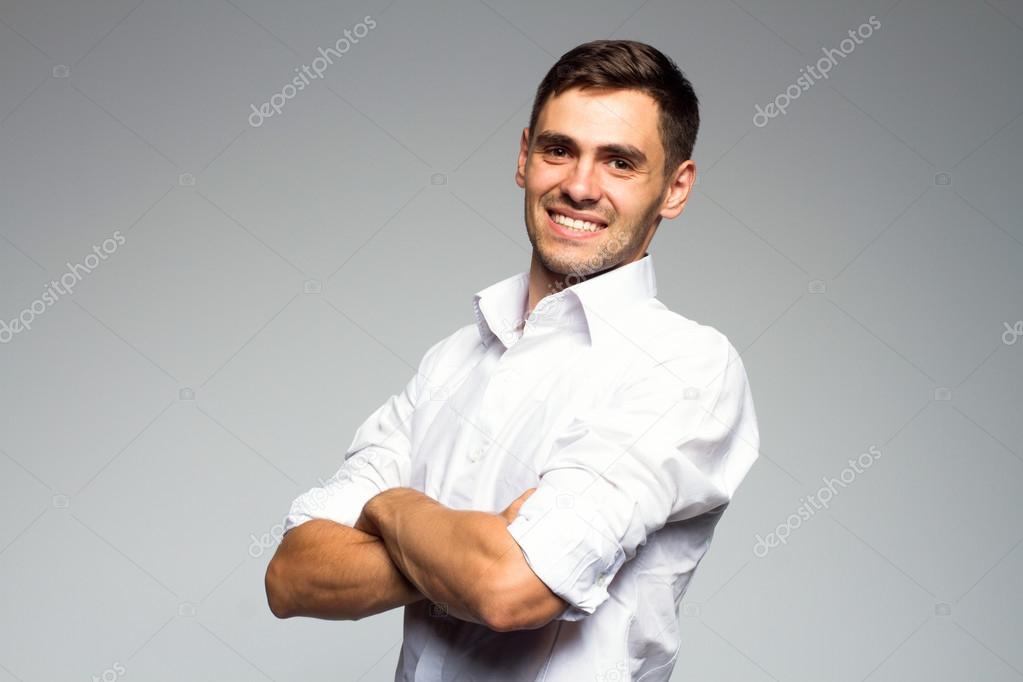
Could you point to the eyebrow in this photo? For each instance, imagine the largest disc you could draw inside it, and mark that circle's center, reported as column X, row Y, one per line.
column 626, row 151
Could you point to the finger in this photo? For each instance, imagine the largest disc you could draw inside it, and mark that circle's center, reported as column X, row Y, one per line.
column 527, row 493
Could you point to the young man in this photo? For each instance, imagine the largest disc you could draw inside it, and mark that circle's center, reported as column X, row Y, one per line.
column 540, row 493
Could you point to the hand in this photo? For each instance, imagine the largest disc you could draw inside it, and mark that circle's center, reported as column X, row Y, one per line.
column 377, row 510
column 366, row 523
column 512, row 510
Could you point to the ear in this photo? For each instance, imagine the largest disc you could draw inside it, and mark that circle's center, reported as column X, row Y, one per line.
column 678, row 190
column 520, row 171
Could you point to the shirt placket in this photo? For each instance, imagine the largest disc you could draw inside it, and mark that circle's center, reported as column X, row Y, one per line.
column 480, row 447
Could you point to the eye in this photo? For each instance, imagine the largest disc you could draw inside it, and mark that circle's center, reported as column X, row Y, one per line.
column 626, row 165
column 553, row 150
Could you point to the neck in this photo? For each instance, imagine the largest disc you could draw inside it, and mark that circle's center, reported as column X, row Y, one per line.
column 542, row 282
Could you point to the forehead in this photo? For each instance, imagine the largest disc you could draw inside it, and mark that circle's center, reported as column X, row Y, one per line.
column 596, row 116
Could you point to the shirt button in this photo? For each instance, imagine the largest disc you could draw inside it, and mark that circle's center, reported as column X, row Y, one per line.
column 601, row 579
column 476, row 453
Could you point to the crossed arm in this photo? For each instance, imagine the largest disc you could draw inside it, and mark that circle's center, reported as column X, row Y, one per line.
column 407, row 547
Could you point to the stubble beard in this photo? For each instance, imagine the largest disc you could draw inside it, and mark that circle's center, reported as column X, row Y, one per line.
column 605, row 252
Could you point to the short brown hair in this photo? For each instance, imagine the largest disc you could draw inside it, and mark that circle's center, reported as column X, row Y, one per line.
column 627, row 64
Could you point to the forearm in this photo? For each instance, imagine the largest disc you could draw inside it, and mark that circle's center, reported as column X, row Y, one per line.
column 451, row 556
column 327, row 570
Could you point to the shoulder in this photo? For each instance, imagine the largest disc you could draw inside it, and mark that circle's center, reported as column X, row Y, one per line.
column 450, row 351
column 668, row 336
column 441, row 360
column 674, row 355
column 692, row 366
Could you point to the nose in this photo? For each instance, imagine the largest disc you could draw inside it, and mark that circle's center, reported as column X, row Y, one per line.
column 581, row 182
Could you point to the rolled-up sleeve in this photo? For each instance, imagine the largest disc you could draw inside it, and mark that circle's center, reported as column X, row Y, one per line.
column 378, row 458
column 671, row 444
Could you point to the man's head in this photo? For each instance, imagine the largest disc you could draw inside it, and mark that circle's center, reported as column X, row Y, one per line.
column 609, row 140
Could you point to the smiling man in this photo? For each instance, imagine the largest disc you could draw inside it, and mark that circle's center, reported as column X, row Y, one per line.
column 540, row 493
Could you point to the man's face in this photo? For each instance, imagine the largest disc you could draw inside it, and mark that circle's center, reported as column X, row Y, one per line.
column 597, row 156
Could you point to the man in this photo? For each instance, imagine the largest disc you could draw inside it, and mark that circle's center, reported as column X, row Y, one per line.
column 540, row 493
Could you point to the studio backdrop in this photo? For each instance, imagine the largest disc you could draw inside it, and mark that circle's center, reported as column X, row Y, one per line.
column 229, row 230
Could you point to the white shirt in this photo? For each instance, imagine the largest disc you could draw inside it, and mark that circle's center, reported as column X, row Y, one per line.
column 635, row 424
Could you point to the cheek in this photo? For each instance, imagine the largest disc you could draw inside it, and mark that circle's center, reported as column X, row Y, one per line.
column 543, row 179
column 631, row 206
column 622, row 205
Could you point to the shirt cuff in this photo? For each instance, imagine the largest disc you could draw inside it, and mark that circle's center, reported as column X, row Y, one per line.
column 340, row 499
column 569, row 546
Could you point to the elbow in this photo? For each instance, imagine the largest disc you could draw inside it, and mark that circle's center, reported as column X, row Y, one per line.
column 518, row 605
column 492, row 606
column 500, row 616
column 276, row 586
column 505, row 616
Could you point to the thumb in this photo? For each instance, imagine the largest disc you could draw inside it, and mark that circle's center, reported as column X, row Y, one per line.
column 512, row 510
column 525, row 495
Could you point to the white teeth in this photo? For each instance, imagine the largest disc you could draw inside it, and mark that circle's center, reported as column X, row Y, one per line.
column 582, row 225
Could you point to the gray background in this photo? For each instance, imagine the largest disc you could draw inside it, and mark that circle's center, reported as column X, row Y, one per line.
column 864, row 252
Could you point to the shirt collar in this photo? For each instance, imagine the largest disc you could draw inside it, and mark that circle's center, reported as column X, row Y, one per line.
column 591, row 305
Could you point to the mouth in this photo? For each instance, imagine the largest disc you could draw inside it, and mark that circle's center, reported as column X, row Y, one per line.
column 574, row 228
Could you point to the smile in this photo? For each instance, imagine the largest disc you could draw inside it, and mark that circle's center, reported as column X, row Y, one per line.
column 574, row 224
